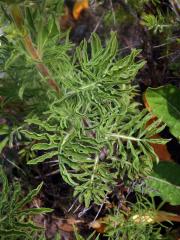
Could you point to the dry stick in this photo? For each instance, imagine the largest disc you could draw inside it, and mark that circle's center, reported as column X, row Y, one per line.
column 18, row 19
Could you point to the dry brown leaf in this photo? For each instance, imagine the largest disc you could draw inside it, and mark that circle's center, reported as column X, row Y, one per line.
column 66, row 225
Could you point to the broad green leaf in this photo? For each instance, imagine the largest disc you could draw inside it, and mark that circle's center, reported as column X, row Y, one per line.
column 169, row 171
column 165, row 182
column 165, row 104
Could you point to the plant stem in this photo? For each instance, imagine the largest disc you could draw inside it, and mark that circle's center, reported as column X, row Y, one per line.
column 94, row 169
column 126, row 137
column 32, row 51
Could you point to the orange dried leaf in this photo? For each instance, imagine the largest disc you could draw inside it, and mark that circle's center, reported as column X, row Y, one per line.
column 166, row 216
column 98, row 225
column 79, row 6
column 160, row 149
column 146, row 104
column 67, row 225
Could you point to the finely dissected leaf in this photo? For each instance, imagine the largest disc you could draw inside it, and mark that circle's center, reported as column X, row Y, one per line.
column 43, row 157
column 165, row 182
column 35, row 136
column 44, row 124
column 165, row 104
column 29, row 197
column 35, row 211
column 3, row 143
column 26, row 225
column 160, row 149
column 95, row 112
column 155, row 23
column 94, row 128
column 12, row 232
column 14, row 217
column 43, row 146
column 4, row 129
column 5, row 183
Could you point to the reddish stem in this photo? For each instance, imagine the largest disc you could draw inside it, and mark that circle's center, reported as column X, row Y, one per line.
column 33, row 52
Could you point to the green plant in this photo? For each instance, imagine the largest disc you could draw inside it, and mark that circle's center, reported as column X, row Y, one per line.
column 78, row 126
column 93, row 128
column 15, row 217
column 129, row 230
column 75, row 107
column 92, row 236
column 155, row 23
column 139, row 5
column 165, row 104
column 165, row 182
column 139, row 220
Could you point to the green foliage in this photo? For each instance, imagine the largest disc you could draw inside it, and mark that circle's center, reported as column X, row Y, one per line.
column 117, row 16
column 168, row 171
column 94, row 129
column 165, row 104
column 3, row 131
column 165, row 182
column 95, row 112
column 12, row 1
column 155, row 23
column 137, row 221
column 139, row 5
column 134, row 223
column 15, row 218
column 18, row 67
column 92, row 236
